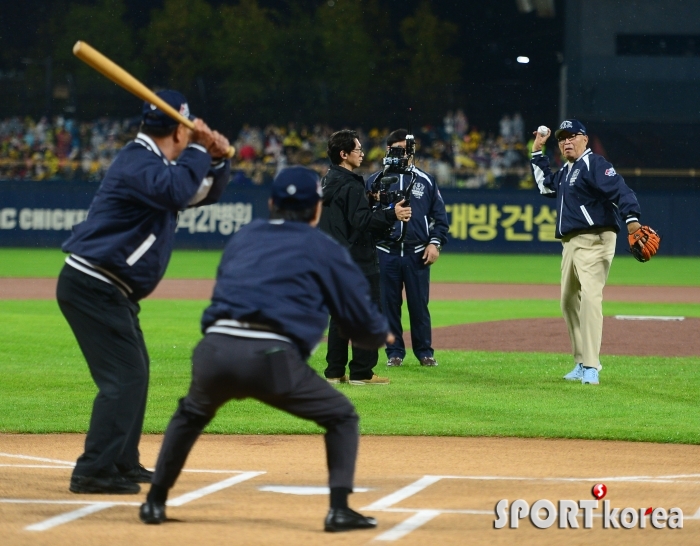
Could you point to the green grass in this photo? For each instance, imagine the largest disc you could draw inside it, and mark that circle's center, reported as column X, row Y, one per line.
column 46, row 386
column 475, row 268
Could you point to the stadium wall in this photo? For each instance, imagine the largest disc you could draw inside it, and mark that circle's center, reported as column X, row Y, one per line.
column 41, row 215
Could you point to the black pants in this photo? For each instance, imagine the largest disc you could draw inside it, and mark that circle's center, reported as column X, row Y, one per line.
column 363, row 361
column 409, row 272
column 106, row 325
column 226, row 367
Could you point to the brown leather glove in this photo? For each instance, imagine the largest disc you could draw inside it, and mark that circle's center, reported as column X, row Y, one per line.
column 644, row 243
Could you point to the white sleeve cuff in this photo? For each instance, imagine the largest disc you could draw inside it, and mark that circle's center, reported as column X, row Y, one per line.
column 198, row 147
column 632, row 219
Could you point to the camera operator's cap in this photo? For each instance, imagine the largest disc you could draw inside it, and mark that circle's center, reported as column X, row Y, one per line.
column 155, row 117
column 296, row 188
column 570, row 126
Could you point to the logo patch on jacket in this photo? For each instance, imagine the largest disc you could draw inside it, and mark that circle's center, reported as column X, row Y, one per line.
column 574, row 177
column 610, row 172
column 418, row 190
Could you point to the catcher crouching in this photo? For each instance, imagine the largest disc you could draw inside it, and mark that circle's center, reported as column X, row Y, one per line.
column 592, row 200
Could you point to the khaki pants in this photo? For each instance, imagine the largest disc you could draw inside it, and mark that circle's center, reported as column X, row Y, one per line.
column 585, row 264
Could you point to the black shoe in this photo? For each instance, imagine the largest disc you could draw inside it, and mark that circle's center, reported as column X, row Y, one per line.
column 109, row 485
column 345, row 519
column 152, row 512
column 138, row 474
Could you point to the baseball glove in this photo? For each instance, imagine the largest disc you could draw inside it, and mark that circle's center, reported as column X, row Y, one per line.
column 644, row 243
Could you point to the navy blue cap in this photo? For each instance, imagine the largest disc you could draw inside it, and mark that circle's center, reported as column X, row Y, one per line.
column 155, row 117
column 296, row 188
column 571, row 126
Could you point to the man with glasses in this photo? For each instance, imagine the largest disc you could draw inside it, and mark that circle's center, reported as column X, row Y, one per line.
column 592, row 200
column 349, row 218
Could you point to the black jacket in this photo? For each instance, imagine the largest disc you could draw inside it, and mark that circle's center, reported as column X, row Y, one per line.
column 349, row 219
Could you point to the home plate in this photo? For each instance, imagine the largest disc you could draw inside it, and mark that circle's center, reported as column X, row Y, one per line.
column 646, row 317
column 304, row 490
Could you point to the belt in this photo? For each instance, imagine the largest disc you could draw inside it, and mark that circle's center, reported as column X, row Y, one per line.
column 594, row 231
column 245, row 329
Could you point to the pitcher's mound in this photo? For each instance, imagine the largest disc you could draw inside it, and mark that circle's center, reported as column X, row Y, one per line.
column 549, row 335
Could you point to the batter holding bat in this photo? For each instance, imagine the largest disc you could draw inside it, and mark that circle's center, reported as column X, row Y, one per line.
column 592, row 200
column 117, row 257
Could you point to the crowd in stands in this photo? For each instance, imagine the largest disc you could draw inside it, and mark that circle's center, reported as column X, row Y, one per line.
column 61, row 148
column 457, row 154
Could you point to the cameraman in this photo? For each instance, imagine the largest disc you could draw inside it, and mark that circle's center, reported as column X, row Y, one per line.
column 348, row 217
column 405, row 257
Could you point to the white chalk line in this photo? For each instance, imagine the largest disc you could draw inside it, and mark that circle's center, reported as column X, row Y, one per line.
column 91, row 507
column 42, row 459
column 68, row 516
column 35, row 466
column 403, row 493
column 411, row 524
column 419, row 517
column 422, row 516
column 46, row 501
column 213, row 488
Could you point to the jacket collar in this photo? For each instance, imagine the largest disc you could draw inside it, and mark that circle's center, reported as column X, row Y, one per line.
column 343, row 171
column 148, row 143
column 584, row 154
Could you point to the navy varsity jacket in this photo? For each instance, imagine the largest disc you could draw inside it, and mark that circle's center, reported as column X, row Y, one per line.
column 589, row 193
column 127, row 238
column 288, row 276
column 428, row 223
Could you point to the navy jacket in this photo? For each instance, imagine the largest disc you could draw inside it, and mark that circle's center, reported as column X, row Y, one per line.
column 349, row 219
column 589, row 193
column 127, row 238
column 289, row 276
column 428, row 223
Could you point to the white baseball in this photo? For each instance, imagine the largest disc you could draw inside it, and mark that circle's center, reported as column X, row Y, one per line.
column 543, row 130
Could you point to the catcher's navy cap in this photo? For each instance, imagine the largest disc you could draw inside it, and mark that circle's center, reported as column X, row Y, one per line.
column 571, row 126
column 155, row 117
column 296, row 188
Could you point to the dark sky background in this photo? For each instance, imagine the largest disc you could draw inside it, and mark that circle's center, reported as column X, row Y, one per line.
column 492, row 34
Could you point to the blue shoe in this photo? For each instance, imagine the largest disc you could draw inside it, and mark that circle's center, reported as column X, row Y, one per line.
column 590, row 376
column 576, row 374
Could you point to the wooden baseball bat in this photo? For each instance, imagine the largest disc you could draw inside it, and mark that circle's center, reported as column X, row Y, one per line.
column 121, row 77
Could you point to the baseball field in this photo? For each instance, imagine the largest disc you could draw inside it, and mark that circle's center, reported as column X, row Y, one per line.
column 441, row 446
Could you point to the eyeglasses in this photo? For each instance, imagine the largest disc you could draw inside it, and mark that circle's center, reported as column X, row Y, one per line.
column 570, row 137
column 360, row 151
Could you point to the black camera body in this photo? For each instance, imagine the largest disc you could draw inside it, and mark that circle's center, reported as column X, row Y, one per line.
column 398, row 161
column 387, row 197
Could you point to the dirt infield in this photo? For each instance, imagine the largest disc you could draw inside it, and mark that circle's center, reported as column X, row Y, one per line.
column 201, row 289
column 677, row 338
column 548, row 335
column 261, row 490
column 422, row 490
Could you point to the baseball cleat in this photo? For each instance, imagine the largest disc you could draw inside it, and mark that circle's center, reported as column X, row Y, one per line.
column 138, row 474
column 428, row 361
column 152, row 512
column 374, row 380
column 576, row 374
column 345, row 519
column 394, row 362
column 108, row 485
column 590, row 376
